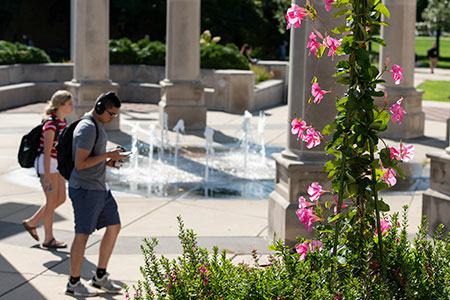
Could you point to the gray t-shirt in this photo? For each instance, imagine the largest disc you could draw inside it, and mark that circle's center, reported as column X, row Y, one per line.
column 92, row 178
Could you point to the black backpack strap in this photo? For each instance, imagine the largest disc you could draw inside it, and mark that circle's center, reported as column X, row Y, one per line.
column 54, row 138
column 91, row 117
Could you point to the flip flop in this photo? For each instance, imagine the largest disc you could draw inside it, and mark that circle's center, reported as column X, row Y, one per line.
column 30, row 230
column 54, row 244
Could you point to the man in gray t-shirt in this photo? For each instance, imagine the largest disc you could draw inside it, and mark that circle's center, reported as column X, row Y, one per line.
column 93, row 204
column 84, row 137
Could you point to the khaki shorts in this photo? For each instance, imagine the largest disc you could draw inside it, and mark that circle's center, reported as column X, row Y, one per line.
column 433, row 62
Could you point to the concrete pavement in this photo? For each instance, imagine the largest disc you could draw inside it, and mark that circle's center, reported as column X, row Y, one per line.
column 28, row 271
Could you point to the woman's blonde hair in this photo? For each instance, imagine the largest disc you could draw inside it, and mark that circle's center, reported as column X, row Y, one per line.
column 58, row 99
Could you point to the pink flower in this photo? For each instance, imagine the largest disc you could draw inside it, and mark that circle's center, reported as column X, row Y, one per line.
column 397, row 111
column 317, row 93
column 313, row 44
column 298, row 127
column 328, row 4
column 312, row 138
column 303, row 248
column 316, row 245
column 302, row 203
column 404, row 153
column 295, row 15
column 307, row 217
column 385, row 225
column 315, row 190
column 389, row 176
column 336, row 207
column 407, row 152
column 332, row 45
column 397, row 74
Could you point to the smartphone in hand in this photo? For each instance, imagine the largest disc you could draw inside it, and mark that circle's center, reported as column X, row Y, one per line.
column 125, row 153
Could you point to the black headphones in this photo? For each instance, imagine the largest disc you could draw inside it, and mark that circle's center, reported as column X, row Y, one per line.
column 100, row 104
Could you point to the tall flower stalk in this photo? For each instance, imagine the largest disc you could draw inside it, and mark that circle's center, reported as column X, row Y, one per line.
column 359, row 168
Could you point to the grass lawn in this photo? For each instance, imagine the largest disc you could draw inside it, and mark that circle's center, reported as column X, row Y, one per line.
column 435, row 90
column 423, row 43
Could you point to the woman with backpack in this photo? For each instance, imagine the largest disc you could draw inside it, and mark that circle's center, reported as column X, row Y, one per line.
column 53, row 184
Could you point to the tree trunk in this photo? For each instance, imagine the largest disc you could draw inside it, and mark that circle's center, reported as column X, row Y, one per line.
column 438, row 35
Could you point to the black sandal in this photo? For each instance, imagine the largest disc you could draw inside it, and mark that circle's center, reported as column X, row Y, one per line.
column 54, row 244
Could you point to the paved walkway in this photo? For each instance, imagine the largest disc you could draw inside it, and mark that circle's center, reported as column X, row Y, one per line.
column 28, row 271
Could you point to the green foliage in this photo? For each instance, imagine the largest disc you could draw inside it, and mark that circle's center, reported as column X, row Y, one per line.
column 18, row 53
column 151, row 53
column 212, row 55
column 216, row 56
column 417, row 270
column 437, row 14
column 260, row 74
column 123, row 51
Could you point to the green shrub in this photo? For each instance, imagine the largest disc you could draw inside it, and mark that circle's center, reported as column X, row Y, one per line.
column 215, row 56
column 212, row 55
column 417, row 270
column 260, row 74
column 18, row 53
column 122, row 51
column 152, row 53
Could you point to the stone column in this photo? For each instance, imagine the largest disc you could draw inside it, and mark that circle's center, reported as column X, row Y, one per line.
column 91, row 56
column 297, row 167
column 182, row 90
column 72, row 30
column 400, row 39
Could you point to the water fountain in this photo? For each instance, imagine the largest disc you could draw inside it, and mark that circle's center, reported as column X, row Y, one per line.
column 208, row 134
column 134, row 147
column 151, row 144
column 246, row 127
column 261, row 127
column 178, row 127
column 230, row 170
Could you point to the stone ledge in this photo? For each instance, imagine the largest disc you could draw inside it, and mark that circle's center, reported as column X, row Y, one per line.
column 436, row 206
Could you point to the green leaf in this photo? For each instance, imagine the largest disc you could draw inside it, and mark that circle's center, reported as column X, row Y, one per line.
column 378, row 41
column 399, row 171
column 343, row 64
column 341, row 29
column 342, row 12
column 383, row 206
column 272, row 248
column 381, row 185
column 340, row 73
column 334, row 218
column 383, row 9
column 330, row 128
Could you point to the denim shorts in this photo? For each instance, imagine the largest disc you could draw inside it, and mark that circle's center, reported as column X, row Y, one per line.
column 93, row 209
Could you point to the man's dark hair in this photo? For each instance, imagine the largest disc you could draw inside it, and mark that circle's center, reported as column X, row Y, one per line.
column 108, row 100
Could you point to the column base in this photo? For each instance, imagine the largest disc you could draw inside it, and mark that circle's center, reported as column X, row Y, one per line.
column 436, row 200
column 292, row 180
column 440, row 171
column 183, row 100
column 413, row 123
column 436, row 206
column 84, row 96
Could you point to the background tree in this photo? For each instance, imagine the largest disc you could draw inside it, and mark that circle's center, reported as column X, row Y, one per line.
column 420, row 7
column 437, row 17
